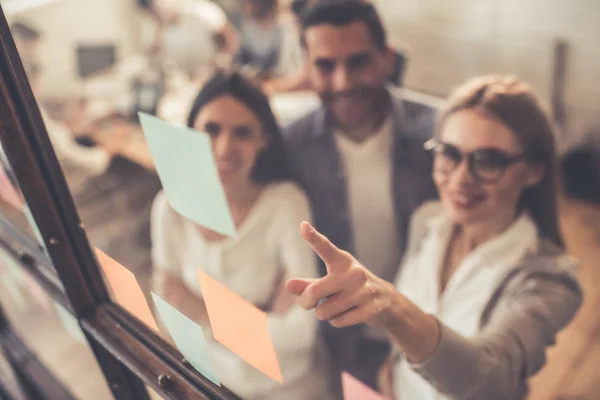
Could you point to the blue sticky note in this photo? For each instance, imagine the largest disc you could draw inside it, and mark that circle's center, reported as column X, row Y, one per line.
column 188, row 337
column 186, row 168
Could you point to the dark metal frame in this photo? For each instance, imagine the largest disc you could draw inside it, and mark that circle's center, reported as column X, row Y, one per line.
column 128, row 353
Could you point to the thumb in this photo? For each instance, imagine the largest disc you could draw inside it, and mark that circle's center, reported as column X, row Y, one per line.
column 297, row 286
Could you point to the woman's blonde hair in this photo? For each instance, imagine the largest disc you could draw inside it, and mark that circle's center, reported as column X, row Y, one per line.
column 514, row 104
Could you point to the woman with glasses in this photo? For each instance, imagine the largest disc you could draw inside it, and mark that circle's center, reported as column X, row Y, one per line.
column 485, row 285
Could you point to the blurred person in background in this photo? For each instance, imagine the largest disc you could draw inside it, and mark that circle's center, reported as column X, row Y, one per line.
column 190, row 34
column 261, row 36
column 293, row 67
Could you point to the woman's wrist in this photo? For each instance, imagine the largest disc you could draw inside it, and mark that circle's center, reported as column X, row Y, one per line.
column 414, row 332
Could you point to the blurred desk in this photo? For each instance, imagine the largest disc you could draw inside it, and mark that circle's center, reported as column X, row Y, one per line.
column 137, row 151
column 115, row 81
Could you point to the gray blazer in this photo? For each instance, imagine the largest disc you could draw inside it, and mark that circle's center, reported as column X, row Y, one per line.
column 527, row 309
column 316, row 165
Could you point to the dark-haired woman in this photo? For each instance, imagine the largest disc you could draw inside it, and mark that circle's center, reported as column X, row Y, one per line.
column 266, row 208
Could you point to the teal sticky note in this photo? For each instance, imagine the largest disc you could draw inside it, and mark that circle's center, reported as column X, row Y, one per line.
column 186, row 168
column 188, row 337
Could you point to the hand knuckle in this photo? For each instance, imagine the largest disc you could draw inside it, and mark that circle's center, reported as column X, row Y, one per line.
column 346, row 256
column 304, row 304
column 321, row 315
column 312, row 293
column 372, row 290
column 359, row 274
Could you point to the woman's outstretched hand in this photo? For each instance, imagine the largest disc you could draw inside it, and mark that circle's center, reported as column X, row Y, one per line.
column 349, row 294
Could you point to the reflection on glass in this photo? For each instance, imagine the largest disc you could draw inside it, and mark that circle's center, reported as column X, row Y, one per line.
column 12, row 204
column 8, row 379
column 51, row 332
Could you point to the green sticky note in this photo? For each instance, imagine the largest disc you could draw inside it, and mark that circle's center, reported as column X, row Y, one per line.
column 185, row 165
column 188, row 337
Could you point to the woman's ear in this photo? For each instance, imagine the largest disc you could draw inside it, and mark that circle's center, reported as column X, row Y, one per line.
column 534, row 174
column 264, row 141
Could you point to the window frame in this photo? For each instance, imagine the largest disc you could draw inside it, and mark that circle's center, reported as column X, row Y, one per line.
column 129, row 354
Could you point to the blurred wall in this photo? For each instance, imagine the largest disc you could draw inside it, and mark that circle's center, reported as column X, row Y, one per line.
column 452, row 40
column 68, row 23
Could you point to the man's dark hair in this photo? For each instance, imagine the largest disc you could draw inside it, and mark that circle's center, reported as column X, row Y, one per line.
column 341, row 13
column 298, row 7
column 24, row 31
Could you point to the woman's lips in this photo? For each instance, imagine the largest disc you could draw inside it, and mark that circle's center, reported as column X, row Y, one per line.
column 466, row 200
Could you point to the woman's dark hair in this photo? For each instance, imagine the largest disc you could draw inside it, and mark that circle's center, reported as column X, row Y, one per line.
column 514, row 104
column 298, row 7
column 272, row 164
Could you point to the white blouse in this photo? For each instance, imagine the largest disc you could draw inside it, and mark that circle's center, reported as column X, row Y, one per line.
column 268, row 248
column 468, row 291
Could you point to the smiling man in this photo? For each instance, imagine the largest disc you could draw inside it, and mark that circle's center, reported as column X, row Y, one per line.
column 359, row 157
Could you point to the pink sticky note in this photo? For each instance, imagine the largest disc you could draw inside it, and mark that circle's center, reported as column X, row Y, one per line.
column 126, row 289
column 240, row 326
column 356, row 390
column 8, row 192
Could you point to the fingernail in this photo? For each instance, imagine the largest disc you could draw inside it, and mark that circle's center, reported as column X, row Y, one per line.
column 308, row 228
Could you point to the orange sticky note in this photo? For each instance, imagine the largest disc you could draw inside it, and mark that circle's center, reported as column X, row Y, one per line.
column 126, row 289
column 8, row 192
column 356, row 390
column 240, row 326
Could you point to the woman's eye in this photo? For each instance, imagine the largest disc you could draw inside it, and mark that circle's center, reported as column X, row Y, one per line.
column 491, row 161
column 450, row 153
column 242, row 132
column 212, row 129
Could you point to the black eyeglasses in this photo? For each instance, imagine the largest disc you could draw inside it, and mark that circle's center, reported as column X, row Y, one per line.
column 485, row 165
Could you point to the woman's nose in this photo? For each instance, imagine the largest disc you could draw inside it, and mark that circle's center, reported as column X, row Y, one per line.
column 222, row 145
column 462, row 173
